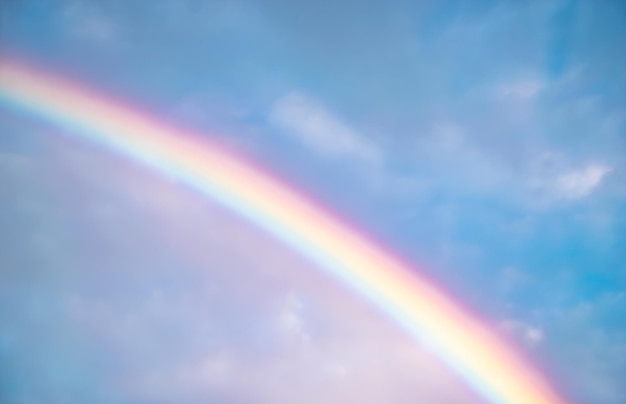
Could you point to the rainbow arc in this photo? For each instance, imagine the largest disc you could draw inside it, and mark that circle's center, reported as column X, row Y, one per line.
column 461, row 340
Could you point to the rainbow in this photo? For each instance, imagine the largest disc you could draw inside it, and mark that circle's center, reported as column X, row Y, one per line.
column 461, row 340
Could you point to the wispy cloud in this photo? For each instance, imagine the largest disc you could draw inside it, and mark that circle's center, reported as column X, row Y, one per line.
column 452, row 153
column 511, row 279
column 332, row 368
column 581, row 182
column 527, row 333
column 595, row 361
column 520, row 90
column 554, row 178
column 86, row 22
column 311, row 122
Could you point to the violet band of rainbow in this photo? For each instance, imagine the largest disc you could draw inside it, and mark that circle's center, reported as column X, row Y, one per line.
column 462, row 341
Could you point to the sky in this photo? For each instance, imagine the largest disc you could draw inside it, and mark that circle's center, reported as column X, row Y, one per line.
column 483, row 140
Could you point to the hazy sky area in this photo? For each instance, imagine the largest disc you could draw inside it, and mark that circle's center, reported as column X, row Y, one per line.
column 483, row 140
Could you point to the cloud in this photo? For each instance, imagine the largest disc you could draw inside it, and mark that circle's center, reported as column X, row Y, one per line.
column 593, row 364
column 370, row 366
column 521, row 90
column 291, row 321
column 310, row 122
column 580, row 183
column 511, row 279
column 528, row 334
column 553, row 177
column 454, row 156
column 183, row 316
column 86, row 22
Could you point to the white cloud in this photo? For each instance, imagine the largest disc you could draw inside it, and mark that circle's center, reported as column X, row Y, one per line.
column 580, row 183
column 521, row 90
column 528, row 334
column 291, row 322
column 335, row 369
column 553, row 177
column 309, row 121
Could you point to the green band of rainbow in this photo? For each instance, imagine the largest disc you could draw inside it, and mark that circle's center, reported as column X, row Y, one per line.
column 462, row 341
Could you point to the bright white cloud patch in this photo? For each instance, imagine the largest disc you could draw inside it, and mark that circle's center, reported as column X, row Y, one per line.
column 309, row 121
column 580, row 183
column 556, row 178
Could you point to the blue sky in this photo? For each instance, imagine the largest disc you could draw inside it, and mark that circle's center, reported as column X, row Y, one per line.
column 485, row 140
